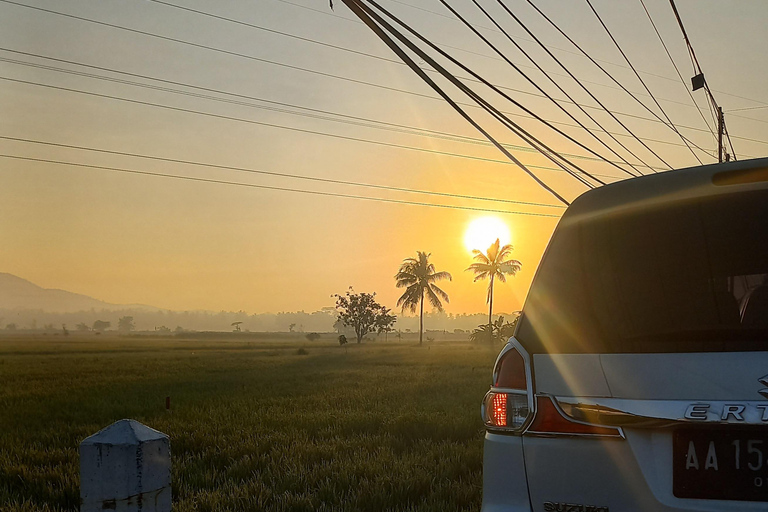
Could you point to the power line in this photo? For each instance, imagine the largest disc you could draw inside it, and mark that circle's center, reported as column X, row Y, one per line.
column 368, row 16
column 277, row 32
column 655, row 101
column 386, row 125
column 296, row 68
column 269, row 187
column 270, row 125
column 464, row 50
column 548, row 46
column 601, row 68
column 276, row 174
column 313, row 113
column 747, row 108
column 677, row 70
column 585, row 89
column 539, row 88
column 532, row 60
column 697, row 69
column 341, row 48
column 378, row 26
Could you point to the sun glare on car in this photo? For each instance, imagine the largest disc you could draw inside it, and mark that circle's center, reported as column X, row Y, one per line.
column 482, row 232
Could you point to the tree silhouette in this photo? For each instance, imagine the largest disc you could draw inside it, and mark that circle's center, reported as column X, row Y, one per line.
column 125, row 324
column 494, row 265
column 363, row 313
column 101, row 325
column 417, row 275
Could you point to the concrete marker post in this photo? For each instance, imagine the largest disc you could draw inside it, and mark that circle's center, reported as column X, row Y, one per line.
column 125, row 467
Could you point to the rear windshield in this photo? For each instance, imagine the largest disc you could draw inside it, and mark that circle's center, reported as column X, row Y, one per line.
column 684, row 277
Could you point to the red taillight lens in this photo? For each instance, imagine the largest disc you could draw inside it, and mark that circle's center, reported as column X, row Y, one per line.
column 507, row 406
column 510, row 371
column 498, row 410
column 550, row 420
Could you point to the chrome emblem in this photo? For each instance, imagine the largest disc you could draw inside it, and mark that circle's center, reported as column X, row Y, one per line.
column 764, row 382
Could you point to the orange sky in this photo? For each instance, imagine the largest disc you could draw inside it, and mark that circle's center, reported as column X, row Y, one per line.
column 129, row 238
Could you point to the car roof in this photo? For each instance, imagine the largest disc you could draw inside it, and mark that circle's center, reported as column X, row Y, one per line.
column 669, row 186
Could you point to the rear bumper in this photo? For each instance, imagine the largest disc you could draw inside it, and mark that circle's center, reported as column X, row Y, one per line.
column 505, row 486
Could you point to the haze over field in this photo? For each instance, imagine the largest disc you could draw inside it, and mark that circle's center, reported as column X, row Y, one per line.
column 258, row 100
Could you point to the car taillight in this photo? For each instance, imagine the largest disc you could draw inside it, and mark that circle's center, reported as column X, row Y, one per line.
column 506, row 410
column 511, row 406
column 508, row 405
column 551, row 420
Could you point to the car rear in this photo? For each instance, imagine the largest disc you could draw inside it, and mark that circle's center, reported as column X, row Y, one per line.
column 638, row 375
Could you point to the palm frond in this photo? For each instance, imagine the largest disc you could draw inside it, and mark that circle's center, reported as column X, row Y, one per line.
column 479, row 267
column 410, row 298
column 434, row 300
column 439, row 292
column 481, row 275
column 439, row 276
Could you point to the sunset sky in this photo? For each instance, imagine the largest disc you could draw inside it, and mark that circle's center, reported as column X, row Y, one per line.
column 180, row 244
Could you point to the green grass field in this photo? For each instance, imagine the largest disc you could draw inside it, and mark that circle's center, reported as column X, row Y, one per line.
column 254, row 425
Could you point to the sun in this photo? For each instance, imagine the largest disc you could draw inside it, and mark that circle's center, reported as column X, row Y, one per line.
column 482, row 232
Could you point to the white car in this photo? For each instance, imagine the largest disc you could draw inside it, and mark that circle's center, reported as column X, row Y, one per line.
column 637, row 378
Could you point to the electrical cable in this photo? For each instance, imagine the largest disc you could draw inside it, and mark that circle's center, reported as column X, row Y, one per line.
column 290, row 66
column 655, row 101
column 314, row 113
column 270, row 125
column 275, row 174
column 583, row 87
column 608, row 74
column 515, row 128
column 697, row 70
column 501, row 54
column 269, row 187
column 530, row 139
column 747, row 108
column 677, row 70
column 367, row 17
column 548, row 46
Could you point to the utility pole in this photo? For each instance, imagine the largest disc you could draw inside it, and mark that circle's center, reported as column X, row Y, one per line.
column 720, row 134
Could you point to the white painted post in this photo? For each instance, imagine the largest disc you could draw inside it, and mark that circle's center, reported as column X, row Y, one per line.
column 125, row 467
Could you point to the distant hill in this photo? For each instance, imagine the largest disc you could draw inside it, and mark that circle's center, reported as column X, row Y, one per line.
column 19, row 294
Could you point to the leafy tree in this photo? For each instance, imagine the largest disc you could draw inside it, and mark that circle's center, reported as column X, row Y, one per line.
column 10, row 327
column 494, row 264
column 82, row 327
column 342, row 340
column 497, row 332
column 291, row 327
column 363, row 313
column 101, row 325
column 313, row 336
column 125, row 324
column 417, row 276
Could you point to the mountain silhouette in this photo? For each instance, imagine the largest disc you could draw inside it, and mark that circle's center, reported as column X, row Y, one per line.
column 19, row 294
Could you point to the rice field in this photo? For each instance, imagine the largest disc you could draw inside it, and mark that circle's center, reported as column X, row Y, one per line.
column 254, row 425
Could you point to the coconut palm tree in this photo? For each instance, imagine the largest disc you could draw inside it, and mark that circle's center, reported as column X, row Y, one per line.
column 417, row 275
column 494, row 264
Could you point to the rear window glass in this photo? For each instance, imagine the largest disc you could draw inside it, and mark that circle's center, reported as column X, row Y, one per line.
column 683, row 277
